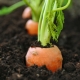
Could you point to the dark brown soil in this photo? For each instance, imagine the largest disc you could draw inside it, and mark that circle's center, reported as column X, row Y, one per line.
column 14, row 43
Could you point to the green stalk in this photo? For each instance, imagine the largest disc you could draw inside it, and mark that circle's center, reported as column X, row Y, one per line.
column 7, row 10
column 51, row 21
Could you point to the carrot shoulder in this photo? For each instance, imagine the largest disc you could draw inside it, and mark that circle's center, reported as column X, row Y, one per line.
column 50, row 57
column 31, row 27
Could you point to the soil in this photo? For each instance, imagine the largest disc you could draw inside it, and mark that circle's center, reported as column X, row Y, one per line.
column 14, row 43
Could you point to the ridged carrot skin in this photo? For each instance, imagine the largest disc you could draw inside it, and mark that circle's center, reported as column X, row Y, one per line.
column 50, row 57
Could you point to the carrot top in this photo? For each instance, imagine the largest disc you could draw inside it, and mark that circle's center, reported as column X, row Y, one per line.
column 51, row 21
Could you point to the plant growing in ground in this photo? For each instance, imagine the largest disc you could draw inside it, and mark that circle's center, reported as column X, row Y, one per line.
column 51, row 21
column 34, row 9
column 50, row 25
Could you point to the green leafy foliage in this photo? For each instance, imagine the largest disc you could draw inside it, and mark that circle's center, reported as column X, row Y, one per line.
column 51, row 21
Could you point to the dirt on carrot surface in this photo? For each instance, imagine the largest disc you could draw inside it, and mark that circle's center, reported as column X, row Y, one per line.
column 15, row 41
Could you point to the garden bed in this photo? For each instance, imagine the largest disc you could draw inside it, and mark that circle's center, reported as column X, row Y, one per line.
column 14, row 43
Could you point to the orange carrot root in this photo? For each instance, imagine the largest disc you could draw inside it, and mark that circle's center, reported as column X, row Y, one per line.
column 32, row 27
column 50, row 57
column 26, row 13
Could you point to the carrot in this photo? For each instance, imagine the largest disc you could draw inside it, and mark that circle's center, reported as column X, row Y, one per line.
column 50, row 57
column 50, row 25
column 26, row 13
column 32, row 27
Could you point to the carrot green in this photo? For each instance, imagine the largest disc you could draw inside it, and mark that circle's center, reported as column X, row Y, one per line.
column 51, row 21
